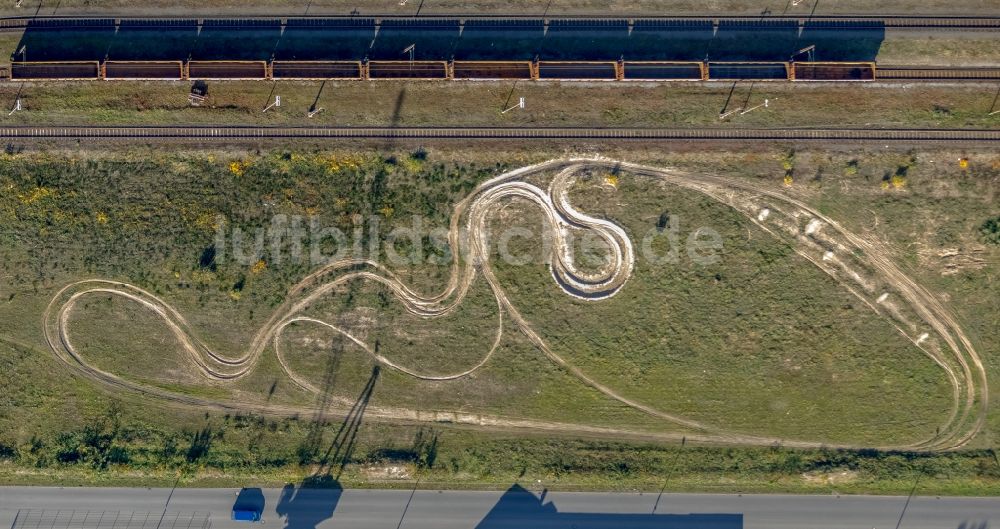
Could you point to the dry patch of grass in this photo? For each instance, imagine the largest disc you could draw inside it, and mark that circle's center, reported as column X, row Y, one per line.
column 153, row 201
column 479, row 104
column 944, row 49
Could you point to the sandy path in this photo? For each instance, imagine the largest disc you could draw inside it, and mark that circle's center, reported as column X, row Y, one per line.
column 857, row 264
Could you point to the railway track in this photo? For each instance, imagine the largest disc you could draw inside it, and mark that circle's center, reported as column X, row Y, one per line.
column 646, row 71
column 933, row 73
column 856, row 21
column 210, row 133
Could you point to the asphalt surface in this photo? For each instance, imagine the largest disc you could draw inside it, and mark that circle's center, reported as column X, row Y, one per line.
column 515, row 508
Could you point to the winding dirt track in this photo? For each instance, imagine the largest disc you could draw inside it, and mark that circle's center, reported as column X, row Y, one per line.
column 861, row 267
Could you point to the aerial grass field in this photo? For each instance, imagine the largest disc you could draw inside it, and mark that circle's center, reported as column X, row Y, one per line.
column 762, row 324
column 479, row 104
column 754, row 371
column 758, row 343
column 971, row 48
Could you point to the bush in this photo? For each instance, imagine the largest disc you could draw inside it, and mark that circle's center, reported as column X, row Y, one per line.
column 7, row 452
column 419, row 154
column 990, row 231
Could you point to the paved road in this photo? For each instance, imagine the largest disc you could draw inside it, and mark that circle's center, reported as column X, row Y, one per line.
column 518, row 508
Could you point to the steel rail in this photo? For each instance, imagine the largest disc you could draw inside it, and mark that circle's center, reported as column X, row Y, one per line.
column 223, row 133
column 442, row 70
column 850, row 21
column 937, row 73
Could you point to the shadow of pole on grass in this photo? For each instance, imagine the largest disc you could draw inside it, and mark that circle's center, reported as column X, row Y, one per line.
column 338, row 454
column 316, row 498
column 310, row 447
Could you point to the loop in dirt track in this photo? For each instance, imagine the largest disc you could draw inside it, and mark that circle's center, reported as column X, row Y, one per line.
column 865, row 270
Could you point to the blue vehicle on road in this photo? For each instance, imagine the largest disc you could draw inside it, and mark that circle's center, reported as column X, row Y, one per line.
column 249, row 506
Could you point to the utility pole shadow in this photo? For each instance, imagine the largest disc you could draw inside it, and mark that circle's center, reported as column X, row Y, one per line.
column 312, row 107
column 729, row 98
column 316, row 498
column 338, row 454
column 314, row 438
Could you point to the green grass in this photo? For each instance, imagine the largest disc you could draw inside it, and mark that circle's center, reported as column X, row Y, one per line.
column 784, row 354
column 120, row 450
column 950, row 49
column 479, row 104
column 761, row 341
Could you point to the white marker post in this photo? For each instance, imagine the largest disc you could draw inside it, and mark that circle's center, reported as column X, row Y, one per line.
column 277, row 103
column 17, row 106
column 312, row 113
column 520, row 104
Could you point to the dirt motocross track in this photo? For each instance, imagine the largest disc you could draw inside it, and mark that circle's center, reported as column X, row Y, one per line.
column 857, row 264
